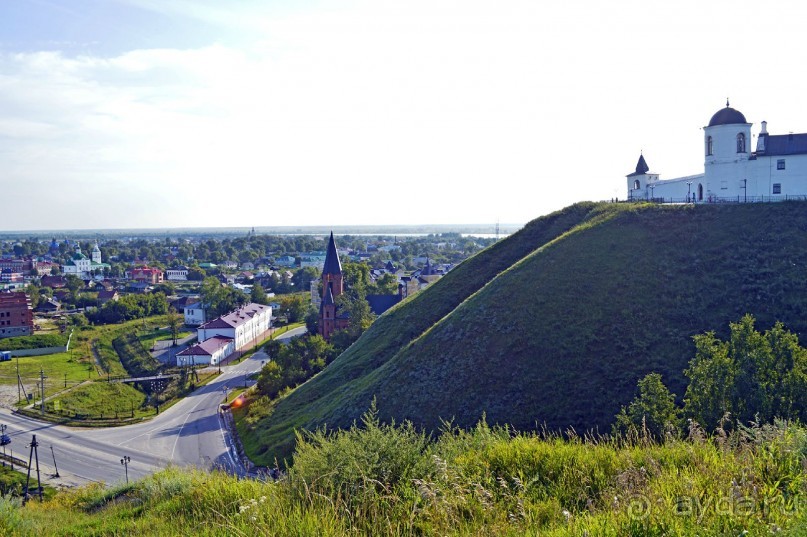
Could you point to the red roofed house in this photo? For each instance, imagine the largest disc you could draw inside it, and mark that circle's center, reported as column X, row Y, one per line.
column 145, row 274
column 210, row 351
column 244, row 325
column 16, row 316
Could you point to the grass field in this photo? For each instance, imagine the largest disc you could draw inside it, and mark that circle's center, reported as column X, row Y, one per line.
column 102, row 400
column 148, row 339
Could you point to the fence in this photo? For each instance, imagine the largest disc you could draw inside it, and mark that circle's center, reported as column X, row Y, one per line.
column 725, row 199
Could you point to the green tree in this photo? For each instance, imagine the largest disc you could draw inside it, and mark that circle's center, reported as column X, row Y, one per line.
column 33, row 294
column 175, row 323
column 387, row 284
column 73, row 284
column 196, row 274
column 312, row 321
column 653, row 409
column 258, row 295
column 295, row 306
column 271, row 379
column 753, row 376
column 302, row 278
column 710, row 393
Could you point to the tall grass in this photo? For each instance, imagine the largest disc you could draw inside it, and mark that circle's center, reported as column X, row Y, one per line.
column 379, row 479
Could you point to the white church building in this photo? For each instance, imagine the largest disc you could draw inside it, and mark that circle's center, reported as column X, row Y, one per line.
column 83, row 267
column 776, row 170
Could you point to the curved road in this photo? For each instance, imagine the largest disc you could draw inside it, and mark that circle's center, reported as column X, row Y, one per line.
column 190, row 433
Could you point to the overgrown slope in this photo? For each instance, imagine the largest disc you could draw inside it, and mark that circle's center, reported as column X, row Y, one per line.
column 561, row 337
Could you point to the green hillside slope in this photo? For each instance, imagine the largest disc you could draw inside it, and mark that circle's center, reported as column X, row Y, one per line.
column 561, row 337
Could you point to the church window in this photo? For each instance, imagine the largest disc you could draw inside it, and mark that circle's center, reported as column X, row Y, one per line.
column 741, row 143
column 780, row 164
column 709, row 146
column 700, row 192
column 777, row 188
column 636, row 185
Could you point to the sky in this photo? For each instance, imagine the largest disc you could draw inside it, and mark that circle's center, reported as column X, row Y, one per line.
column 202, row 113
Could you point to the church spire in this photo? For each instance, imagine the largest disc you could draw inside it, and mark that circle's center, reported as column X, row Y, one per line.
column 332, row 263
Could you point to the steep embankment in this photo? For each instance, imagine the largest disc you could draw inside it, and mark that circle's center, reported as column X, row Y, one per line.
column 314, row 402
column 562, row 336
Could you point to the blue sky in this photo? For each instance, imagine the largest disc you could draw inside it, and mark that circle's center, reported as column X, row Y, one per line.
column 161, row 113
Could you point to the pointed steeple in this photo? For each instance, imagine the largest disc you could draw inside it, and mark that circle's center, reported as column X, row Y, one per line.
column 641, row 166
column 332, row 263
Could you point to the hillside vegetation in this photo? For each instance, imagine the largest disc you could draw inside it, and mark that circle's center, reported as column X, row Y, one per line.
column 554, row 325
column 385, row 480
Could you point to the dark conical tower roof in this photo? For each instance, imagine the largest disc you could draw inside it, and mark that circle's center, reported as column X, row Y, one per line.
column 332, row 264
column 641, row 167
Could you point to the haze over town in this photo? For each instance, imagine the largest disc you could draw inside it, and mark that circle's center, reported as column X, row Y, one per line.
column 144, row 113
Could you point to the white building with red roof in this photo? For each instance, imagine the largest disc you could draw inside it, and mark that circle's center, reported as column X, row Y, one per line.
column 212, row 351
column 244, row 326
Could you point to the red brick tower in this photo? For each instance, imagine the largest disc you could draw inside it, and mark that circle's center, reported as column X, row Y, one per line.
column 332, row 286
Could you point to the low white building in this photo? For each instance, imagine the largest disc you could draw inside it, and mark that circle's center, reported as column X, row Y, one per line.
column 195, row 314
column 177, row 274
column 775, row 171
column 209, row 352
column 244, row 325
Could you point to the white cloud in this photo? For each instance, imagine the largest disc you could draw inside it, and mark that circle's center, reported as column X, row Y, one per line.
column 380, row 112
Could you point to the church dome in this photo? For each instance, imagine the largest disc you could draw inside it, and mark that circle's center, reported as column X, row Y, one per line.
column 727, row 116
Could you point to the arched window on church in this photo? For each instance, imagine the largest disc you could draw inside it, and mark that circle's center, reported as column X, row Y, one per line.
column 741, row 143
column 636, row 185
column 700, row 192
column 709, row 146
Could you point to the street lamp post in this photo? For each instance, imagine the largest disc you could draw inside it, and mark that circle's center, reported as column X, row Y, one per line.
column 689, row 189
column 745, row 190
column 652, row 192
column 125, row 462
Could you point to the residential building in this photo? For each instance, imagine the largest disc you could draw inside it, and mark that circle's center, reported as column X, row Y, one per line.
column 177, row 274
column 18, row 265
column 50, row 305
column 211, row 351
column 16, row 315
column 145, row 275
column 245, row 325
column 105, row 296
column 195, row 313
column 9, row 276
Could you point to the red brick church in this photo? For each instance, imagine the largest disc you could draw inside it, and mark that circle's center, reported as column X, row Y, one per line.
column 331, row 318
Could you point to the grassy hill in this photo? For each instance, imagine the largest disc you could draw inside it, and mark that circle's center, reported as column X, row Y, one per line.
column 554, row 325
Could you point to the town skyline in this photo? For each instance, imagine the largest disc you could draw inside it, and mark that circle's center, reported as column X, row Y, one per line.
column 136, row 114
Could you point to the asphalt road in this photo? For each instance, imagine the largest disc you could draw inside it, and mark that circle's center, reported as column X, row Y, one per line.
column 190, row 433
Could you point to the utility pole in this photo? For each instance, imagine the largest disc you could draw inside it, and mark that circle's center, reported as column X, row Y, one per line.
column 3, row 428
column 42, row 386
column 54, row 462
column 19, row 381
column 34, row 453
